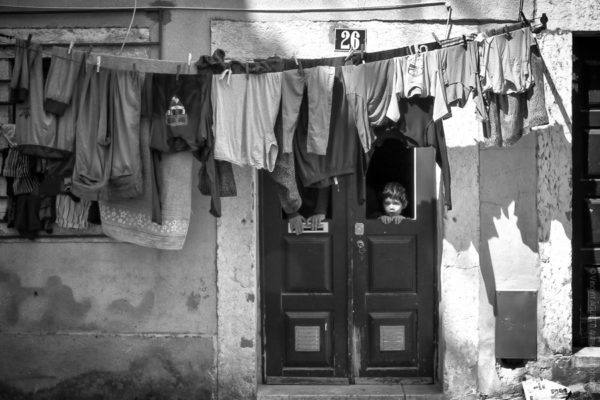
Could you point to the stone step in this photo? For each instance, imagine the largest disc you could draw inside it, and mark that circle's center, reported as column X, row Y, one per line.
column 353, row 392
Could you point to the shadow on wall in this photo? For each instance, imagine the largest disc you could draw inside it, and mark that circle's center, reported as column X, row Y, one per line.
column 54, row 307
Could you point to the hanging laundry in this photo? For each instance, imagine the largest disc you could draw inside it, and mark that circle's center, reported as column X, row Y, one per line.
column 62, row 78
column 318, row 82
column 416, row 128
column 506, row 62
column 35, row 129
column 369, row 92
column 342, row 149
column 245, row 108
column 512, row 115
column 419, row 75
column 72, row 214
column 107, row 162
column 181, row 112
column 130, row 220
column 459, row 74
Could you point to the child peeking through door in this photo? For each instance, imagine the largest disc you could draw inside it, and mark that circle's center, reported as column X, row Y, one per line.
column 394, row 201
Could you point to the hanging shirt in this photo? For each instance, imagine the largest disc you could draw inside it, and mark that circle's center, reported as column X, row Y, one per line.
column 35, row 129
column 505, row 62
column 245, row 108
column 419, row 75
column 418, row 129
column 369, row 93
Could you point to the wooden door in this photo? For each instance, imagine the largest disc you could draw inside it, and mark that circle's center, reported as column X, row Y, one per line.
column 586, row 191
column 343, row 305
column 304, row 280
column 393, row 272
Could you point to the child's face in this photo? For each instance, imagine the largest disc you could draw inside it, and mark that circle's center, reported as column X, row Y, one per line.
column 392, row 207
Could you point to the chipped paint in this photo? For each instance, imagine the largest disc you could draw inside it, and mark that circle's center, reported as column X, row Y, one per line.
column 248, row 343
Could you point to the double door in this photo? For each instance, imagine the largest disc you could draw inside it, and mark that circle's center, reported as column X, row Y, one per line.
column 355, row 300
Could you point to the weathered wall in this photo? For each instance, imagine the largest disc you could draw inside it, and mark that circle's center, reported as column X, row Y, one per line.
column 148, row 319
column 92, row 318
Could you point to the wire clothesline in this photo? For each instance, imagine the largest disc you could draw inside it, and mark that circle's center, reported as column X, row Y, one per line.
column 92, row 57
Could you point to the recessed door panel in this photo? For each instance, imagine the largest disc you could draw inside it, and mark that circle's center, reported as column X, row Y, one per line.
column 392, row 263
column 308, row 263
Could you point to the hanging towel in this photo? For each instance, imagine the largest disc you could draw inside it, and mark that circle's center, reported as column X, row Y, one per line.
column 131, row 220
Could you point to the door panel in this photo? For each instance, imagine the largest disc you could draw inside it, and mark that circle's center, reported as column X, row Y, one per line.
column 394, row 284
column 304, row 281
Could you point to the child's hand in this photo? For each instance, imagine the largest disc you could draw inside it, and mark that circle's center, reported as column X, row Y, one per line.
column 386, row 219
column 397, row 218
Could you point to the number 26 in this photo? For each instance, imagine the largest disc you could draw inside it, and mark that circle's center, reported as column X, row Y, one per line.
column 350, row 40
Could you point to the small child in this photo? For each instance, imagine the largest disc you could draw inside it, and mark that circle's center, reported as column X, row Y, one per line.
column 394, row 202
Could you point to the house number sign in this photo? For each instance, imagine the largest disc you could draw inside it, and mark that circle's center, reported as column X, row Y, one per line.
column 350, row 39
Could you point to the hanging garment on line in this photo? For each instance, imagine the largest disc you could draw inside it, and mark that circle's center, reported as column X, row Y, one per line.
column 62, row 79
column 512, row 115
column 459, row 75
column 71, row 214
column 319, row 85
column 35, row 129
column 369, row 93
column 181, row 112
column 130, row 220
column 419, row 75
column 245, row 108
column 340, row 159
column 417, row 128
column 505, row 63
column 107, row 161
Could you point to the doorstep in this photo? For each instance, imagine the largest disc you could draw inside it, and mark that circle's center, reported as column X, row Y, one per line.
column 588, row 357
column 343, row 392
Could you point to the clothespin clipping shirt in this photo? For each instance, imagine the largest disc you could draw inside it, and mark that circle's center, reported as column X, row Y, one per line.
column 98, row 61
column 71, row 47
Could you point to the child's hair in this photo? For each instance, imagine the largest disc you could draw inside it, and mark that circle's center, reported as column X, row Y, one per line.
column 394, row 190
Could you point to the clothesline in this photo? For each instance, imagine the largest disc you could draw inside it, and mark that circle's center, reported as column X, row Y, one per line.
column 178, row 67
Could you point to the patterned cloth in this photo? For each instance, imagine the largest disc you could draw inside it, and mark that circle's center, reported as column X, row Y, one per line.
column 131, row 220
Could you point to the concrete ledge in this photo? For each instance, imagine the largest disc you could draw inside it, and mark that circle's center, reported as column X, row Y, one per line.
column 343, row 392
column 588, row 357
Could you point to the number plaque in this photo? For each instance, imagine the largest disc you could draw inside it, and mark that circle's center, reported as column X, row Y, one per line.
column 350, row 39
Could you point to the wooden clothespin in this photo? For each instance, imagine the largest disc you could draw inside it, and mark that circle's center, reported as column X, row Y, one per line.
column 436, row 39
column 29, row 39
column 362, row 53
column 506, row 32
column 350, row 53
column 70, row 50
column 247, row 70
column 299, row 65
column 178, row 71
column 189, row 64
column 98, row 61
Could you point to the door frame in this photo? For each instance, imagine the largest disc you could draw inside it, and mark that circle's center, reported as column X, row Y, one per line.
column 261, row 349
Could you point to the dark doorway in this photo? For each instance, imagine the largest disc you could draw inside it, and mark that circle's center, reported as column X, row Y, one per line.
column 586, row 191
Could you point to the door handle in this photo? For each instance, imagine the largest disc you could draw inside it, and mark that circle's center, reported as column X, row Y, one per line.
column 361, row 246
